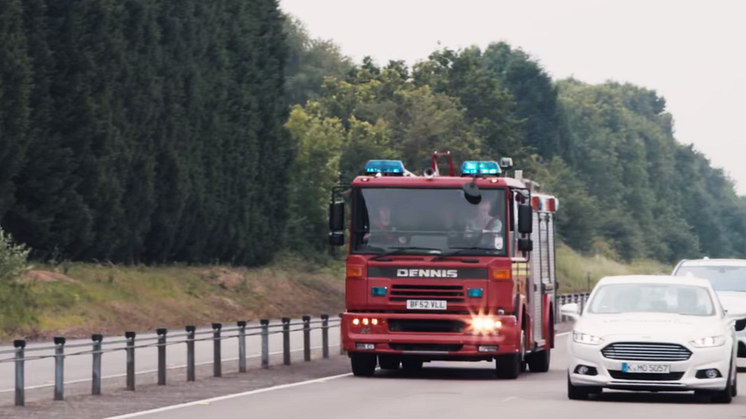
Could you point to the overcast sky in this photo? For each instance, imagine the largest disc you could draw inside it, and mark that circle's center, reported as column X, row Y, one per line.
column 691, row 53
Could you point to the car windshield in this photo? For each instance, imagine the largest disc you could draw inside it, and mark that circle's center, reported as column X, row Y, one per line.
column 652, row 298
column 428, row 221
column 722, row 278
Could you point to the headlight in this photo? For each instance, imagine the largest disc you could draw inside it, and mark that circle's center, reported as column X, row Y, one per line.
column 709, row 342
column 586, row 338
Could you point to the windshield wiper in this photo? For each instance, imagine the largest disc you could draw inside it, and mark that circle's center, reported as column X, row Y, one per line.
column 458, row 250
column 401, row 249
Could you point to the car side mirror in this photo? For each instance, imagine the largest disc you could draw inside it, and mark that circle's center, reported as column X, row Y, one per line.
column 525, row 219
column 571, row 310
column 738, row 320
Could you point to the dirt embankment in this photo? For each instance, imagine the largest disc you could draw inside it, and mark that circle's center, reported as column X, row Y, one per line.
column 80, row 299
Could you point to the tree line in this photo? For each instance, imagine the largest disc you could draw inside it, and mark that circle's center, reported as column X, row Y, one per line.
column 146, row 131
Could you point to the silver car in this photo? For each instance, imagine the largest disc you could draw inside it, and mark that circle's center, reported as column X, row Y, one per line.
column 728, row 279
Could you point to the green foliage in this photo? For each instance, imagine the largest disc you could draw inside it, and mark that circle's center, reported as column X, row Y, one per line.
column 16, row 305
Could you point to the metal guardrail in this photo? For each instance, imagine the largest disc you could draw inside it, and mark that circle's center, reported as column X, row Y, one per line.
column 20, row 357
column 562, row 299
column 263, row 330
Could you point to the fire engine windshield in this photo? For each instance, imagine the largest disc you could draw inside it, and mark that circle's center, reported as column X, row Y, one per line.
column 428, row 221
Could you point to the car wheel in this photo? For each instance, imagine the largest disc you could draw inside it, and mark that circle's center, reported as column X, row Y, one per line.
column 725, row 395
column 510, row 366
column 576, row 392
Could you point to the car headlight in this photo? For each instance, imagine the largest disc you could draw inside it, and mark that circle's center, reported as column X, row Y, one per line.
column 709, row 342
column 586, row 338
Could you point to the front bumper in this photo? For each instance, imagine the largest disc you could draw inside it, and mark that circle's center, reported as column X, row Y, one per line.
column 430, row 345
column 683, row 375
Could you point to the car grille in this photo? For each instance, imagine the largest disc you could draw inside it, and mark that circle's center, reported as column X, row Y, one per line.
column 449, row 293
column 671, row 376
column 646, row 351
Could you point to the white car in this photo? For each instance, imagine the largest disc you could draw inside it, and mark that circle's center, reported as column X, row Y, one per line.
column 652, row 333
column 728, row 279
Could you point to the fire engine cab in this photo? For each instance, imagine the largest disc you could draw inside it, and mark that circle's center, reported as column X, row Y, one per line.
column 456, row 267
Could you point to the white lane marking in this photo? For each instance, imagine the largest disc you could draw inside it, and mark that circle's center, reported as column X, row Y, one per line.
column 230, row 396
column 507, row 399
column 562, row 334
column 85, row 380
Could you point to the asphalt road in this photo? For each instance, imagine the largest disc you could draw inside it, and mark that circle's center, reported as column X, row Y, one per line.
column 40, row 373
column 448, row 390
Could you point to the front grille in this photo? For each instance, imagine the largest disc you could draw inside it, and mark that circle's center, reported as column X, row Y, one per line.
column 432, row 326
column 425, row 347
column 449, row 293
column 646, row 351
column 636, row 376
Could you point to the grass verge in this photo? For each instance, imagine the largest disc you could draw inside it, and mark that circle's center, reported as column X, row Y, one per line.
column 578, row 273
column 76, row 299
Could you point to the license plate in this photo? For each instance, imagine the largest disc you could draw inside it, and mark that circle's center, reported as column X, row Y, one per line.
column 426, row 305
column 646, row 368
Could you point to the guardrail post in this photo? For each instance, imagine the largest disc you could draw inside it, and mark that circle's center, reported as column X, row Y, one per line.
column 130, row 336
column 161, row 355
column 241, row 346
column 341, row 347
column 325, row 335
column 20, row 346
column 217, row 359
column 265, row 342
column 306, row 338
column 96, row 369
column 286, row 340
column 190, row 353
column 59, row 367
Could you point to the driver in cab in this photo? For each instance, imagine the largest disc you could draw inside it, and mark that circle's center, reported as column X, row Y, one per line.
column 382, row 230
column 485, row 229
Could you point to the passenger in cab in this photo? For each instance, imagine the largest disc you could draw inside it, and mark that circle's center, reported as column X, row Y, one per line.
column 383, row 231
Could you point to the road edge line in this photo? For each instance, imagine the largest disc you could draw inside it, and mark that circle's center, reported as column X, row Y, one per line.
column 226, row 397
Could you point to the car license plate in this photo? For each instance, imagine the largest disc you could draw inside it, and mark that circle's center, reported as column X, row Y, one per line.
column 426, row 305
column 646, row 368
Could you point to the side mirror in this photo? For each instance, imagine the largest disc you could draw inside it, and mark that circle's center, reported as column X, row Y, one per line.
column 337, row 238
column 337, row 224
column 337, row 216
column 738, row 320
column 571, row 310
column 525, row 219
column 472, row 193
column 525, row 245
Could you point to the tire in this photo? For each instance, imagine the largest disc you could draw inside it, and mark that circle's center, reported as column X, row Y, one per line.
column 539, row 361
column 510, row 366
column 363, row 365
column 577, row 392
column 388, row 362
column 411, row 365
column 725, row 396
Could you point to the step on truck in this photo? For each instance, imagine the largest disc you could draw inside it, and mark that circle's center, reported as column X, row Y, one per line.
column 457, row 267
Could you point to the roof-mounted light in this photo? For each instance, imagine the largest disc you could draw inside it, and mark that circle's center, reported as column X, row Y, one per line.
column 475, row 168
column 385, row 167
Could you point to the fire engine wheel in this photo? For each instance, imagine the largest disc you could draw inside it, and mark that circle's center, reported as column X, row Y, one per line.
column 510, row 366
column 363, row 365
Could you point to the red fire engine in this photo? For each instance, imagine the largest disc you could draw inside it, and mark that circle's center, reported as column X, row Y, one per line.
column 446, row 268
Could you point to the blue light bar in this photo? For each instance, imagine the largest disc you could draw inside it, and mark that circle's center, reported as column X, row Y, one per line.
column 393, row 167
column 480, row 168
column 474, row 292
